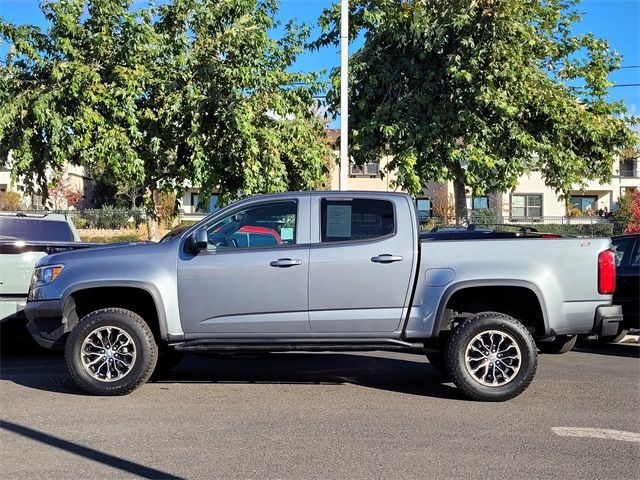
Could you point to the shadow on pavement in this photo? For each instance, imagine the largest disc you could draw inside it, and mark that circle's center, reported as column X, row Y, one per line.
column 86, row 452
column 408, row 374
column 34, row 367
column 628, row 350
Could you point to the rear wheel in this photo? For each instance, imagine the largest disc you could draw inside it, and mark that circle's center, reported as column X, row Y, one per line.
column 560, row 344
column 111, row 352
column 491, row 357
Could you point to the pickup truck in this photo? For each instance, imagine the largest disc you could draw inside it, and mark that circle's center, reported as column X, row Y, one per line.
column 351, row 273
column 25, row 239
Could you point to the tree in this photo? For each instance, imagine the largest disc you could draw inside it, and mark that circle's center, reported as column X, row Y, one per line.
column 479, row 92
column 628, row 215
column 189, row 91
column 63, row 194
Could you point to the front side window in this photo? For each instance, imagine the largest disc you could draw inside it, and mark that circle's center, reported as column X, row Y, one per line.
column 357, row 219
column 270, row 224
column 526, row 206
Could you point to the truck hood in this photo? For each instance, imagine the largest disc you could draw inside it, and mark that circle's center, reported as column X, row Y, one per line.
column 100, row 251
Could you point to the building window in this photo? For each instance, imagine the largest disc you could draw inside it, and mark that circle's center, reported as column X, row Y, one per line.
column 526, row 206
column 584, row 203
column 423, row 205
column 478, row 203
column 628, row 168
column 370, row 169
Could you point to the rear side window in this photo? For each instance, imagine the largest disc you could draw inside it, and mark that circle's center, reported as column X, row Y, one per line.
column 357, row 219
column 34, row 230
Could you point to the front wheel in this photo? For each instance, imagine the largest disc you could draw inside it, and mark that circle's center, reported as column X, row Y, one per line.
column 111, row 352
column 491, row 357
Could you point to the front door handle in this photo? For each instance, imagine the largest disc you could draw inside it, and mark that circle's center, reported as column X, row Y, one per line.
column 285, row 262
column 386, row 258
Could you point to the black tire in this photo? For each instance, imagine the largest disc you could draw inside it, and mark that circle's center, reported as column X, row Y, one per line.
column 614, row 338
column 167, row 359
column 515, row 333
column 560, row 344
column 129, row 325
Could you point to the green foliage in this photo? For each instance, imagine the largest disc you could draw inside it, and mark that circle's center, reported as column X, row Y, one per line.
column 188, row 91
column 480, row 92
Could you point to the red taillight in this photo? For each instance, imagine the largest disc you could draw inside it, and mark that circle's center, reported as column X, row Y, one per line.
column 606, row 272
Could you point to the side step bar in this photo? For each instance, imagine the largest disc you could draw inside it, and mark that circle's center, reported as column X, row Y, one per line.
column 324, row 345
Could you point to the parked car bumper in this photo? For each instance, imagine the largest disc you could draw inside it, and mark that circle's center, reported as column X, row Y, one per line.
column 45, row 323
column 608, row 320
column 12, row 308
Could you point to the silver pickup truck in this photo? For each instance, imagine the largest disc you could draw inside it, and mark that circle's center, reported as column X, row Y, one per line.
column 323, row 271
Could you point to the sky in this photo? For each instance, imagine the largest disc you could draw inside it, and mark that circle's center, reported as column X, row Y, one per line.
column 617, row 21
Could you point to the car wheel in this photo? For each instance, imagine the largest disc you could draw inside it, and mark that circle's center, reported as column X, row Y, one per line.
column 491, row 357
column 111, row 352
column 614, row 338
column 560, row 344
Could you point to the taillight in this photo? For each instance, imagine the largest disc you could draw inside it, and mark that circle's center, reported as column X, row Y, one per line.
column 606, row 272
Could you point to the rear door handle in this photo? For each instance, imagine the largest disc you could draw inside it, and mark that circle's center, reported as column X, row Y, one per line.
column 285, row 262
column 386, row 258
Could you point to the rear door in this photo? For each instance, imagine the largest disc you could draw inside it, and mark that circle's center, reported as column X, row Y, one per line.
column 360, row 266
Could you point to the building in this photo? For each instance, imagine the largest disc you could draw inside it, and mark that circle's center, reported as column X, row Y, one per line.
column 73, row 183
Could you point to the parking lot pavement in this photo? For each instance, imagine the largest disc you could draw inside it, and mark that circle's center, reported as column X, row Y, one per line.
column 305, row 416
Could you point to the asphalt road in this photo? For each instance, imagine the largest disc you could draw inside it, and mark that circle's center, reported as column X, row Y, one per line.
column 329, row 416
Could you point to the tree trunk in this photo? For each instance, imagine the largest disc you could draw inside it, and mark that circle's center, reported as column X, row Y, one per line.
column 460, row 195
column 153, row 219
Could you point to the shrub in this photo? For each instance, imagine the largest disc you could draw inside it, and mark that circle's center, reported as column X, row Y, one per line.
column 10, row 201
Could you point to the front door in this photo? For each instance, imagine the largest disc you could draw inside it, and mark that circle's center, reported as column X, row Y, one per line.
column 253, row 278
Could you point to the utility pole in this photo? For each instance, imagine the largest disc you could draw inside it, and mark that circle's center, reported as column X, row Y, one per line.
column 344, row 95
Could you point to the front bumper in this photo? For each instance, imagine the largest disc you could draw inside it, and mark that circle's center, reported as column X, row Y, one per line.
column 608, row 320
column 46, row 324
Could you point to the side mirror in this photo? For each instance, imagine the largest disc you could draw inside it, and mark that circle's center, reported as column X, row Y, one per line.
column 197, row 241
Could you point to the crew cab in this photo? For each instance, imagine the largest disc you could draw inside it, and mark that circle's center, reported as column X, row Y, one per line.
column 351, row 272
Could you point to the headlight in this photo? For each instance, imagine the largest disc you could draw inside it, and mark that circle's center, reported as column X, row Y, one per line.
column 44, row 275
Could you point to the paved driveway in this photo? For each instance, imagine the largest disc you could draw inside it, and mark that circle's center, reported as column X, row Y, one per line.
column 304, row 416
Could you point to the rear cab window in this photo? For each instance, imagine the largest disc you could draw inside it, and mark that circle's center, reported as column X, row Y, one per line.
column 34, row 230
column 358, row 219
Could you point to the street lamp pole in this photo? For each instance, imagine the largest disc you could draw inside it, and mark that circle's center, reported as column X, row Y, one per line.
column 344, row 95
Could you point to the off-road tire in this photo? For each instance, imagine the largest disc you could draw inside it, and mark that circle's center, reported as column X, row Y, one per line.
column 143, row 340
column 560, row 344
column 463, row 336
